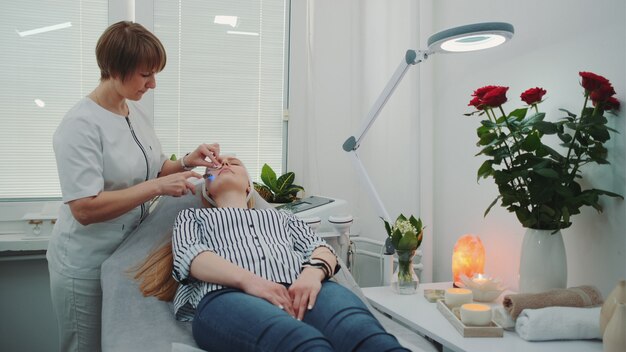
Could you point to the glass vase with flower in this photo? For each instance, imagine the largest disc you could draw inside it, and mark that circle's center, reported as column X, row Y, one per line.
column 405, row 236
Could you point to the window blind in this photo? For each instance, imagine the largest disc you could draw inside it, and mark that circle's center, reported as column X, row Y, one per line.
column 224, row 79
column 47, row 63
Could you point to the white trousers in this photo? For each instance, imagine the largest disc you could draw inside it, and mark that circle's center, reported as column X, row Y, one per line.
column 77, row 304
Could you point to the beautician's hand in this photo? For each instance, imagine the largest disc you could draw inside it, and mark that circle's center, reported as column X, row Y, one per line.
column 270, row 291
column 176, row 184
column 204, row 151
column 304, row 290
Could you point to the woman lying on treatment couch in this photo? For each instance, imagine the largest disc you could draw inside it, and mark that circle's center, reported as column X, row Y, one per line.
column 256, row 280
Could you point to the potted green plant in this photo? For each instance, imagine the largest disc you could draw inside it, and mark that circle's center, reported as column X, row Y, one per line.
column 277, row 190
column 406, row 236
column 538, row 183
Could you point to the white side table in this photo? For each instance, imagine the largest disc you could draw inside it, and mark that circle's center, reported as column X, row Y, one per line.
column 421, row 316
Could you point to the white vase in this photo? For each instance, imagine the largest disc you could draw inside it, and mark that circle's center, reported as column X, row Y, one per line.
column 543, row 264
column 614, row 338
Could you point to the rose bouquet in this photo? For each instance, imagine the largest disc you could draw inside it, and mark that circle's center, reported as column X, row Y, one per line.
column 537, row 182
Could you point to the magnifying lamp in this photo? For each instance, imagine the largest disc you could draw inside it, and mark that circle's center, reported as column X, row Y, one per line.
column 470, row 37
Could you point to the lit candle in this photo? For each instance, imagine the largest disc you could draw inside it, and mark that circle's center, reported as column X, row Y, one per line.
column 480, row 279
column 475, row 314
column 455, row 297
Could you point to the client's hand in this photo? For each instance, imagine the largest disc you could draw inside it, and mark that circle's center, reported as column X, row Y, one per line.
column 270, row 291
column 304, row 291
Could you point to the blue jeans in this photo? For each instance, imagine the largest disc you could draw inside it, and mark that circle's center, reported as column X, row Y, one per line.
column 231, row 320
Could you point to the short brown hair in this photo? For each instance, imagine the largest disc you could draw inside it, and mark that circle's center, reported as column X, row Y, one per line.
column 125, row 47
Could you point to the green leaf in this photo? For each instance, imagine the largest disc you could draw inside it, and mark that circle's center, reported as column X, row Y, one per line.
column 486, row 125
column 487, row 138
column 395, row 238
column 599, row 134
column 549, row 173
column 568, row 113
column 553, row 153
column 546, row 127
column 546, row 209
column 285, row 181
column 264, row 192
column 268, row 176
column 565, row 137
column 293, row 190
column 531, row 120
column 531, row 143
column 525, row 217
column 518, row 113
column 485, row 170
column 491, row 205
column 416, row 223
column 610, row 194
column 408, row 241
column 387, row 227
column 612, row 129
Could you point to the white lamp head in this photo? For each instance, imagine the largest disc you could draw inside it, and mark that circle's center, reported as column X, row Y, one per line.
column 470, row 37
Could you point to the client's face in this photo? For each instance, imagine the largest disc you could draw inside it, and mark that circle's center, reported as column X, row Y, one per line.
column 232, row 175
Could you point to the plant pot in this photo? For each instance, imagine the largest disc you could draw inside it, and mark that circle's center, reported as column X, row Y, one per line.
column 404, row 280
column 543, row 264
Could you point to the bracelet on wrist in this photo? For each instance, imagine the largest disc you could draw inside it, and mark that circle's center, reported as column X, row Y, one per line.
column 317, row 265
column 326, row 276
column 330, row 268
column 182, row 163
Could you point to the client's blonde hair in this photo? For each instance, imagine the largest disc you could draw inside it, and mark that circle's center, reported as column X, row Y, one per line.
column 155, row 273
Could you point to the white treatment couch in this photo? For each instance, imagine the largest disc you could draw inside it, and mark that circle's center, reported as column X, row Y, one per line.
column 131, row 322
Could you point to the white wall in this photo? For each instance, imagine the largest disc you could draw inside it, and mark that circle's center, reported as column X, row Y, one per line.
column 420, row 152
column 342, row 55
column 554, row 40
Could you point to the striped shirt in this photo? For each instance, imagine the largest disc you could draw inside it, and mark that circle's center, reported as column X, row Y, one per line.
column 271, row 244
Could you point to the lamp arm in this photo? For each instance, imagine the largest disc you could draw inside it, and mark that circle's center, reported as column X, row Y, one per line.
column 411, row 57
column 369, row 186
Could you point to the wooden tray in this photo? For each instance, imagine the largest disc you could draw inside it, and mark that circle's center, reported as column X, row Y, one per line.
column 491, row 330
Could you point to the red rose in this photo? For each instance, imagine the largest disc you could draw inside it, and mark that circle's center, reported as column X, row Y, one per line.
column 533, row 95
column 602, row 93
column 591, row 81
column 480, row 92
column 495, row 97
column 610, row 104
column 475, row 102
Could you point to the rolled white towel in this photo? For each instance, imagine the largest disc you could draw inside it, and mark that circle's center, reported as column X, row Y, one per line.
column 559, row 323
column 503, row 318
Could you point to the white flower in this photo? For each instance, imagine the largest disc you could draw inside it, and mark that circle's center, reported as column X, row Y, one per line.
column 404, row 226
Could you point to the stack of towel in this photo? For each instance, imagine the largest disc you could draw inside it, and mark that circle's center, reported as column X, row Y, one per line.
column 560, row 314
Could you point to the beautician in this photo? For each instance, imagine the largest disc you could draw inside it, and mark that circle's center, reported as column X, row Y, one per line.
column 110, row 166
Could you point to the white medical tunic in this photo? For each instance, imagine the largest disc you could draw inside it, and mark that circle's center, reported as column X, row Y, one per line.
column 97, row 150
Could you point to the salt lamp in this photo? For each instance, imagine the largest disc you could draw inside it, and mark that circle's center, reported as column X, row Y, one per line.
column 468, row 257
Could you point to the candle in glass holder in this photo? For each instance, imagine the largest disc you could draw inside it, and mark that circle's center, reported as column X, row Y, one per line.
column 475, row 314
column 455, row 297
